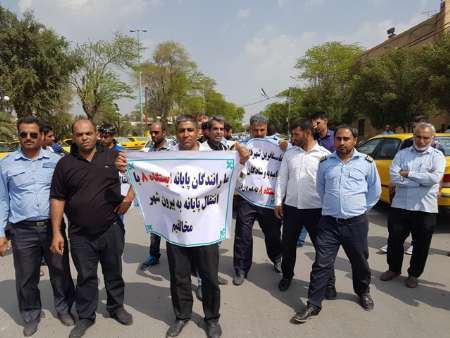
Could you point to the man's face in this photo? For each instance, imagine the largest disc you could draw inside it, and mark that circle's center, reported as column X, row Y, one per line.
column 106, row 140
column 216, row 132
column 423, row 138
column 321, row 125
column 298, row 137
column 187, row 135
column 258, row 130
column 84, row 135
column 344, row 141
column 157, row 133
column 30, row 138
column 49, row 138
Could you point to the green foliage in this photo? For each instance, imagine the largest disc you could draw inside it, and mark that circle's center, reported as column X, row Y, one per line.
column 8, row 131
column 97, row 83
column 35, row 64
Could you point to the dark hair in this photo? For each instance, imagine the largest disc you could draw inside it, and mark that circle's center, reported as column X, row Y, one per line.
column 216, row 118
column 271, row 130
column 30, row 119
column 227, row 126
column 46, row 128
column 354, row 131
column 303, row 124
column 319, row 115
column 162, row 125
column 205, row 125
column 258, row 119
column 185, row 118
column 107, row 128
column 83, row 119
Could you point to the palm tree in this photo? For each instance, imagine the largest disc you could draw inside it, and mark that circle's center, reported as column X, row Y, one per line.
column 7, row 127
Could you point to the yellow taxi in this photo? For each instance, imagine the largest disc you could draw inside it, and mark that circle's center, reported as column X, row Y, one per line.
column 66, row 143
column 4, row 149
column 383, row 149
column 132, row 142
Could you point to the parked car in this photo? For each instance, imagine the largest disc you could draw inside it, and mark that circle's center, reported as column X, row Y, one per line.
column 383, row 149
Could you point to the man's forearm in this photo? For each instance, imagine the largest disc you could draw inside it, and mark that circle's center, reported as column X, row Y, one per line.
column 57, row 213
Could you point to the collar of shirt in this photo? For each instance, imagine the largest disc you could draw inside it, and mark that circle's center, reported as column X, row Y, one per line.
column 165, row 146
column 315, row 148
column 356, row 154
column 74, row 151
column 328, row 134
column 19, row 155
column 429, row 150
column 201, row 147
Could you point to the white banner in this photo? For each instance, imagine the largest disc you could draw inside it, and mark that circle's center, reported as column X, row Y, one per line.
column 261, row 171
column 186, row 197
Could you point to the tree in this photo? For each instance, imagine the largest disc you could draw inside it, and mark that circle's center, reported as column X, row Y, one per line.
column 35, row 64
column 392, row 89
column 8, row 131
column 327, row 69
column 96, row 83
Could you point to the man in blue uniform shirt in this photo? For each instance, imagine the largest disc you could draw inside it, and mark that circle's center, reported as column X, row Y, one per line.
column 416, row 172
column 349, row 186
column 323, row 135
column 25, row 178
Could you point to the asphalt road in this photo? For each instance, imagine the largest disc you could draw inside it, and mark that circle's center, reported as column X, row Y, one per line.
column 257, row 308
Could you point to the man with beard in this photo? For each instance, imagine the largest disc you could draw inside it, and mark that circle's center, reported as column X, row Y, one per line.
column 25, row 178
column 296, row 198
column 86, row 187
column 183, row 260
column 416, row 172
column 349, row 186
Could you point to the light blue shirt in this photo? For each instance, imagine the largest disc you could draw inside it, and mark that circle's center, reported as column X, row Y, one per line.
column 348, row 189
column 419, row 191
column 25, row 187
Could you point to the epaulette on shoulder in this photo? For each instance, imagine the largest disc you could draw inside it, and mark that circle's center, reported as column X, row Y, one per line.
column 323, row 158
column 369, row 159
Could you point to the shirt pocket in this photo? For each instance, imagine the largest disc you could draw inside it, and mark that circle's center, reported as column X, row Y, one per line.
column 45, row 175
column 19, row 178
column 356, row 180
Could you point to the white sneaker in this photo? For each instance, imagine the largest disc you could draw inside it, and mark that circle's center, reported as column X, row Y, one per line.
column 384, row 249
column 409, row 250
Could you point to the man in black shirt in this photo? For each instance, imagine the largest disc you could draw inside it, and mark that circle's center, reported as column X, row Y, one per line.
column 86, row 187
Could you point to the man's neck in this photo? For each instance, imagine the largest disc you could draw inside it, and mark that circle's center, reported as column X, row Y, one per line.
column 31, row 154
column 88, row 155
column 160, row 144
column 309, row 144
column 346, row 157
column 324, row 133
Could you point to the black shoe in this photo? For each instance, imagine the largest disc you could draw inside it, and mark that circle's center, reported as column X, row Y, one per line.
column 199, row 293
column 366, row 302
column 30, row 328
column 66, row 319
column 277, row 266
column 238, row 278
column 222, row 281
column 80, row 328
column 388, row 275
column 411, row 282
column 284, row 283
column 302, row 316
column 330, row 292
column 176, row 328
column 213, row 330
column 122, row 316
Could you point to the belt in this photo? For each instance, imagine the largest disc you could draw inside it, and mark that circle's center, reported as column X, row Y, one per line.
column 42, row 223
column 347, row 220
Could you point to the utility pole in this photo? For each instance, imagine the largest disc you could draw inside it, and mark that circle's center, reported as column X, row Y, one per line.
column 138, row 32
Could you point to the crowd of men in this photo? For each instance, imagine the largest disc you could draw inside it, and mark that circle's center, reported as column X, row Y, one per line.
column 324, row 185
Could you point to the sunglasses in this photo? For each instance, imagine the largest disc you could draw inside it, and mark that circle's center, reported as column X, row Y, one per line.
column 24, row 134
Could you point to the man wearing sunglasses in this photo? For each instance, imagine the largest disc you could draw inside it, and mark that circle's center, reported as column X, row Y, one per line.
column 25, row 178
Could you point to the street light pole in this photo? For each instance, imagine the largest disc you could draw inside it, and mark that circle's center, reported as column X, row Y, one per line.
column 138, row 32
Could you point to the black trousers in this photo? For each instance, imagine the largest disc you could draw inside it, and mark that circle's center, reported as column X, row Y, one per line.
column 293, row 223
column 155, row 245
column 401, row 223
column 182, row 261
column 352, row 235
column 247, row 213
column 86, row 254
column 30, row 243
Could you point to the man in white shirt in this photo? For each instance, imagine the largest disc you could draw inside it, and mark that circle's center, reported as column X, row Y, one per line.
column 296, row 198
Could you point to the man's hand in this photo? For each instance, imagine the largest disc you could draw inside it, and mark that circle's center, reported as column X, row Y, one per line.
column 244, row 154
column 121, row 162
column 283, row 144
column 3, row 246
column 404, row 173
column 57, row 246
column 123, row 207
column 278, row 212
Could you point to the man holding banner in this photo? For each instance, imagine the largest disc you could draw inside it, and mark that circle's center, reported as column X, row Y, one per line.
column 256, row 200
column 186, row 198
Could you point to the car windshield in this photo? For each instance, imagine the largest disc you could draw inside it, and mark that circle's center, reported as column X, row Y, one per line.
column 444, row 141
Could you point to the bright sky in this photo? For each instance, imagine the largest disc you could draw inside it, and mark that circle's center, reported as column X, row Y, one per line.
column 243, row 45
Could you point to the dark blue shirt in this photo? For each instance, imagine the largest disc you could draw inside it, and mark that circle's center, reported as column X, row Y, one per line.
column 328, row 141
